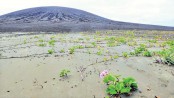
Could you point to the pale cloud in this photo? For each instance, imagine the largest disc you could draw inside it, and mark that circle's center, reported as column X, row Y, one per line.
column 159, row 12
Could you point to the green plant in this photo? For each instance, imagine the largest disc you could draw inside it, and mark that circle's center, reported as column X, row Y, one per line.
column 25, row 41
column 71, row 50
column 147, row 53
column 88, row 51
column 62, row 51
column 80, row 38
column 51, row 51
column 36, row 37
column 132, row 53
column 111, row 43
column 99, row 52
column 79, row 47
column 167, row 55
column 52, row 42
column 64, row 73
column 130, row 82
column 111, row 79
column 117, row 86
column 170, row 42
column 97, row 33
column 121, row 40
column 42, row 44
column 115, row 56
column 52, row 37
column 132, row 43
column 125, row 54
column 87, row 38
column 140, row 49
column 105, row 59
column 94, row 44
column 152, row 41
column 41, row 40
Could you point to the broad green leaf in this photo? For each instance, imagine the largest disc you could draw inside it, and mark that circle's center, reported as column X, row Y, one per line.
column 112, row 91
column 125, row 90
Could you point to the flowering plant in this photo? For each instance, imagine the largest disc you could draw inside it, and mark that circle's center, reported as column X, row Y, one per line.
column 104, row 73
column 116, row 85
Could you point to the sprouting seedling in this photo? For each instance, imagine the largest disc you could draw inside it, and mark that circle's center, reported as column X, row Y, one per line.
column 52, row 37
column 25, row 41
column 105, row 59
column 64, row 73
column 42, row 44
column 80, row 38
column 71, row 50
column 52, row 42
column 147, row 53
column 94, row 44
column 99, row 52
column 51, row 51
column 41, row 40
column 88, row 51
column 62, row 51
column 125, row 54
column 36, row 37
column 115, row 56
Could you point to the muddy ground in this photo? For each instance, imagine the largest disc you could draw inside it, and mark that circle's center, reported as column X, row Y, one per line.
column 27, row 70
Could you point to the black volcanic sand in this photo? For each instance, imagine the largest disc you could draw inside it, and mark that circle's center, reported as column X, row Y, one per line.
column 63, row 19
column 28, row 71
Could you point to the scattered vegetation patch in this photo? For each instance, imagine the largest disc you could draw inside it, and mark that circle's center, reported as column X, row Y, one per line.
column 167, row 55
column 121, row 40
column 139, row 49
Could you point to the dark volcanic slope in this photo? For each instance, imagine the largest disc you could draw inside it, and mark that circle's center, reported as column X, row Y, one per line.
column 62, row 19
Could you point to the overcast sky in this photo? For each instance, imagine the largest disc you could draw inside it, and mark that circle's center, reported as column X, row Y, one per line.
column 159, row 12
